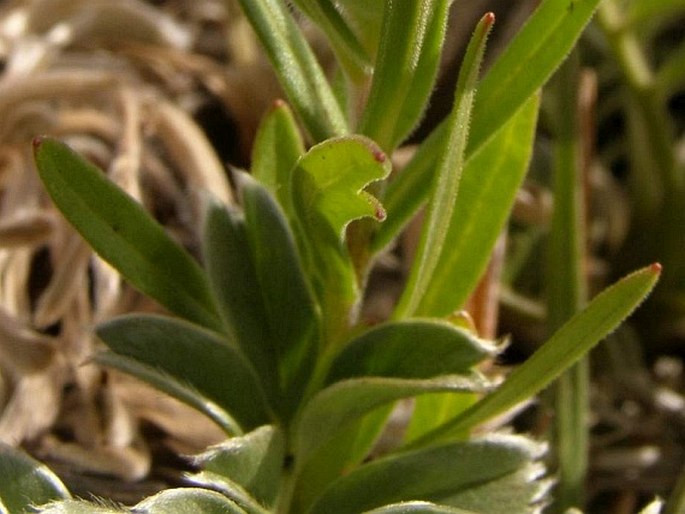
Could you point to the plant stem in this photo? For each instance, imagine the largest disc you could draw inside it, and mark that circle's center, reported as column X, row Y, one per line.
column 566, row 284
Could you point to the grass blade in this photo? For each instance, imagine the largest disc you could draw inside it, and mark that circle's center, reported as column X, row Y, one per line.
column 124, row 234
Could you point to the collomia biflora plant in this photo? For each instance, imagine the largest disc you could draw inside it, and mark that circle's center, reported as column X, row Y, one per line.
column 264, row 335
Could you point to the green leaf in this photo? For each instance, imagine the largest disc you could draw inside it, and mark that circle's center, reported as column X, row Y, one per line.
column 119, row 230
column 277, row 147
column 443, row 474
column 291, row 312
column 449, row 171
column 418, row 348
column 264, row 295
column 335, row 407
column 254, row 461
column 527, row 62
column 641, row 11
column 26, row 482
column 418, row 508
column 366, row 18
column 486, row 195
column 562, row 350
column 411, row 41
column 229, row 488
column 172, row 386
column 235, row 285
column 295, row 64
column 348, row 49
column 79, row 507
column 328, row 193
column 198, row 357
column 187, row 501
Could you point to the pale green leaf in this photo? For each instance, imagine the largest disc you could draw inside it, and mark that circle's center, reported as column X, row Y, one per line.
column 411, row 41
column 187, row 501
column 418, row 507
column 571, row 342
column 254, row 461
column 450, row 165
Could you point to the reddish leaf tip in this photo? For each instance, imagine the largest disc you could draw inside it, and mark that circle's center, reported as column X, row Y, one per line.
column 656, row 267
column 489, row 18
column 37, row 141
column 379, row 155
column 279, row 103
column 380, row 213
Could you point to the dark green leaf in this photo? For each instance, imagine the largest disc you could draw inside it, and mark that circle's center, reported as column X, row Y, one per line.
column 418, row 348
column 443, row 474
column 203, row 360
column 25, row 482
column 119, row 229
column 291, row 313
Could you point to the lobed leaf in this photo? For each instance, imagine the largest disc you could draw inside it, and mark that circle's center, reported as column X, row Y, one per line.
column 26, row 482
column 328, row 193
column 198, row 357
column 124, row 234
column 442, row 474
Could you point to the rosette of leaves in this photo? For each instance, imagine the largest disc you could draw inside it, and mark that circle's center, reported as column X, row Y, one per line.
column 265, row 337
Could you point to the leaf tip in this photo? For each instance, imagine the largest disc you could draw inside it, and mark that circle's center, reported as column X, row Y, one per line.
column 37, row 142
column 656, row 268
column 489, row 19
column 379, row 155
column 279, row 103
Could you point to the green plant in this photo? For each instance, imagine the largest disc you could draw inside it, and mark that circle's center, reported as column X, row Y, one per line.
column 267, row 340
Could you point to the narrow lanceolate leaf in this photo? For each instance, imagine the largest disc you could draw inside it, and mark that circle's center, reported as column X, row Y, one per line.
column 198, row 357
column 348, row 49
column 486, row 194
column 174, row 387
column 253, row 461
column 328, row 193
column 406, row 66
column 298, row 71
column 124, row 234
column 449, row 171
column 527, row 63
column 562, row 350
column 26, row 482
column 336, row 407
column 277, row 147
column 448, row 474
